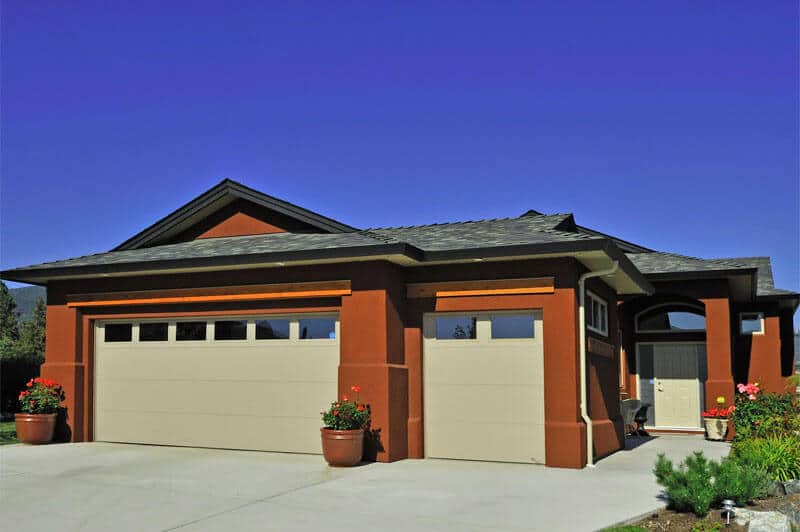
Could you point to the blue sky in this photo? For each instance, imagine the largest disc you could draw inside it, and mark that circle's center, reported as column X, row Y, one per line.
column 667, row 123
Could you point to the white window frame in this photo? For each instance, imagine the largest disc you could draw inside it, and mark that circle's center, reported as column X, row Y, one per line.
column 591, row 297
column 758, row 315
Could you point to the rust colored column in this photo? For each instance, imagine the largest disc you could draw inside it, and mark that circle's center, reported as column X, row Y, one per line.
column 565, row 442
column 413, row 349
column 372, row 356
column 718, row 351
column 765, row 357
column 64, row 363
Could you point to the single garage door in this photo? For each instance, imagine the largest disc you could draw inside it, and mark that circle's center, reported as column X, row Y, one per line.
column 235, row 383
column 484, row 386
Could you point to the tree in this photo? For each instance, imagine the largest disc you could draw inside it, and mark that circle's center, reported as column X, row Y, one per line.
column 9, row 327
column 30, row 345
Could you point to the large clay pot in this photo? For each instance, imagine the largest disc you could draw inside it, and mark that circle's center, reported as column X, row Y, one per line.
column 716, row 428
column 35, row 428
column 342, row 448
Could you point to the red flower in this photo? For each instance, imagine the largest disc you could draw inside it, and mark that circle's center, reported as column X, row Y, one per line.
column 344, row 398
column 360, row 408
column 356, row 388
column 30, row 383
column 335, row 412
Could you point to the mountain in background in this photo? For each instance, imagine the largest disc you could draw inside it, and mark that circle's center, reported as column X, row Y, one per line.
column 25, row 298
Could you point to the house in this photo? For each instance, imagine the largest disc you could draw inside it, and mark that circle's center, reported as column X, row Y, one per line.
column 233, row 321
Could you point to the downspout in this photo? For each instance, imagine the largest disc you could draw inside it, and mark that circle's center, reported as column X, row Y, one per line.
column 582, row 351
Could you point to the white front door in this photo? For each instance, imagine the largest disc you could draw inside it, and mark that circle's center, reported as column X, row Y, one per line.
column 676, row 369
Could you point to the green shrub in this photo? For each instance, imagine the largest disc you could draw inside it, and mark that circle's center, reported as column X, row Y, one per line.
column 769, row 414
column 698, row 484
column 779, row 456
column 740, row 482
column 707, row 526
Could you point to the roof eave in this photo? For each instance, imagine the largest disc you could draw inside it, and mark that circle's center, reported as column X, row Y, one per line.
column 409, row 253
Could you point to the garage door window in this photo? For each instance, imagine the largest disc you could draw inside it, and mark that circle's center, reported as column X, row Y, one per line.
column 272, row 329
column 512, row 326
column 317, row 328
column 230, row 330
column 190, row 330
column 118, row 332
column 455, row 327
column 153, row 332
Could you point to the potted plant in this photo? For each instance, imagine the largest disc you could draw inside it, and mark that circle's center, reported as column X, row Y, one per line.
column 716, row 420
column 343, row 433
column 39, row 403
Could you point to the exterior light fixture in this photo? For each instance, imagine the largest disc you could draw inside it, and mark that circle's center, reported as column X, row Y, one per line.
column 728, row 511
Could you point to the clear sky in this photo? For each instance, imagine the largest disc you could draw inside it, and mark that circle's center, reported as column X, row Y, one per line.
column 673, row 124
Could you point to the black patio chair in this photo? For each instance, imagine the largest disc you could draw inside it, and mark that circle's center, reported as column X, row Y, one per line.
column 640, row 419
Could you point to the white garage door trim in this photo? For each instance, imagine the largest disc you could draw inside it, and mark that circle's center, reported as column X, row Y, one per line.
column 484, row 396
column 258, row 394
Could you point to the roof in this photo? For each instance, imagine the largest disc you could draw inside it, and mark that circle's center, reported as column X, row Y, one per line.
column 215, row 198
column 475, row 240
column 659, row 262
column 484, row 233
column 528, row 235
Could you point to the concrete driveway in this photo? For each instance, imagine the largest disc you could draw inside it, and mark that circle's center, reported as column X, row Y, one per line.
column 102, row 486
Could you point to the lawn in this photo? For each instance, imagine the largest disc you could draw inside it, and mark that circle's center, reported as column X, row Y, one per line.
column 8, row 433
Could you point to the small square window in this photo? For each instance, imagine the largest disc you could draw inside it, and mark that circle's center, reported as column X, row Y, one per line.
column 512, row 326
column 118, row 332
column 272, row 329
column 751, row 323
column 596, row 314
column 230, row 330
column 455, row 328
column 190, row 330
column 317, row 328
column 153, row 332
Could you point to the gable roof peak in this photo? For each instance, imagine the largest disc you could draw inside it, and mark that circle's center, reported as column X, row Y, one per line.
column 224, row 193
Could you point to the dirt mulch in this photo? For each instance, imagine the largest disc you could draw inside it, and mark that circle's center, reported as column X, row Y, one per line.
column 669, row 521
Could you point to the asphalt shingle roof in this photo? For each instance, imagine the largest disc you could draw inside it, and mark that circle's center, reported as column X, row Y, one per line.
column 661, row 262
column 529, row 229
column 226, row 246
column 437, row 237
column 484, row 233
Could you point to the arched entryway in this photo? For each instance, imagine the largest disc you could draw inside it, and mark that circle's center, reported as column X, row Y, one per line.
column 670, row 366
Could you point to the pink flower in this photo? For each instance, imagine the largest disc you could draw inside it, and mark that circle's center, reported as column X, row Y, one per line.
column 752, row 397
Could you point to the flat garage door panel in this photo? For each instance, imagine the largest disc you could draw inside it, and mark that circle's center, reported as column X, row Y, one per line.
column 484, row 397
column 237, row 394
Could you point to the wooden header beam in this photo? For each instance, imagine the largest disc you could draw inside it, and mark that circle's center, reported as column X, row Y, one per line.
column 533, row 285
column 223, row 294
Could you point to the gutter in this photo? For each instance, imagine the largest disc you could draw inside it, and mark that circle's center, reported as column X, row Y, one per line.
column 582, row 355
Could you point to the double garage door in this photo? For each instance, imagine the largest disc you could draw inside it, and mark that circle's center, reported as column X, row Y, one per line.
column 238, row 383
column 260, row 382
column 483, row 377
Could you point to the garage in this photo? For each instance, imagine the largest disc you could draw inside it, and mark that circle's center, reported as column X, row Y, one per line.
column 253, row 382
column 483, row 378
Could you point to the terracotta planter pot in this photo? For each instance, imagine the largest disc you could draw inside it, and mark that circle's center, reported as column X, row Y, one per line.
column 35, row 428
column 716, row 428
column 342, row 448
